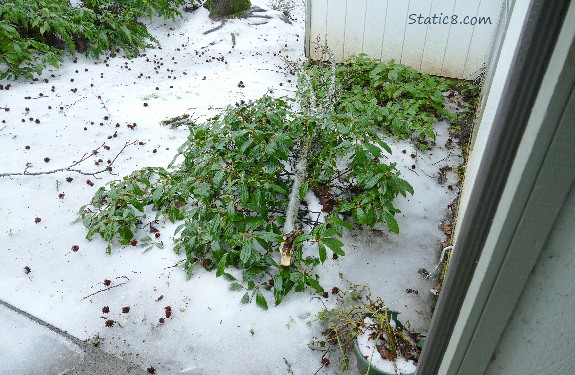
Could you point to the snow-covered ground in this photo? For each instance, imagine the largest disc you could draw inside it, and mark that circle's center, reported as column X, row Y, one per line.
column 50, row 123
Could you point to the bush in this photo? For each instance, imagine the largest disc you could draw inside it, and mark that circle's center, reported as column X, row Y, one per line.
column 36, row 33
column 391, row 96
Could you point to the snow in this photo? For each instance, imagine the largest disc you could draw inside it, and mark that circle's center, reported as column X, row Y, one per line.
column 209, row 331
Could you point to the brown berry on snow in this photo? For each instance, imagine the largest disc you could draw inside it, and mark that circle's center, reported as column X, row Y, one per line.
column 151, row 370
column 37, row 220
column 125, row 309
column 162, row 320
column 109, row 323
column 107, row 282
column 75, row 248
column 133, row 242
column 105, row 309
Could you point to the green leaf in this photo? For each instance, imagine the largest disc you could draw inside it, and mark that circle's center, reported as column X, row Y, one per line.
column 373, row 180
column 322, row 252
column 269, row 236
column 137, row 205
column 337, row 221
column 261, row 300
column 334, row 244
column 126, row 235
column 246, row 252
column 391, row 223
column 219, row 177
column 253, row 223
column 220, row 268
column 303, row 189
column 244, row 193
column 374, row 150
column 245, row 299
column 234, row 287
column 278, row 288
column 314, row 284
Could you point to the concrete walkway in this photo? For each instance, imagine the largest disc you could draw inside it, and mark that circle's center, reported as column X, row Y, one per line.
column 29, row 345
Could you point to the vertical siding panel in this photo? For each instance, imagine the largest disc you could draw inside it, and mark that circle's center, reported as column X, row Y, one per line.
column 437, row 36
column 459, row 39
column 483, row 36
column 374, row 27
column 336, row 10
column 318, row 25
column 415, row 35
column 354, row 26
column 384, row 29
column 395, row 23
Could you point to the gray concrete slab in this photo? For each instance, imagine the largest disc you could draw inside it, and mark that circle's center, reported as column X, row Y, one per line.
column 29, row 345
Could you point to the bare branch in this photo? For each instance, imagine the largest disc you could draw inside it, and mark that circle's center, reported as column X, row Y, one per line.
column 110, row 287
column 71, row 167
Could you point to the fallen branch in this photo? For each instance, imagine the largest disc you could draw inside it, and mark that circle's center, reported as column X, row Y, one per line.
column 317, row 107
column 71, row 167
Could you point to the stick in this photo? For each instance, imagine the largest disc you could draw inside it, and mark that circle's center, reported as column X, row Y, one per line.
column 110, row 287
column 70, row 168
column 215, row 28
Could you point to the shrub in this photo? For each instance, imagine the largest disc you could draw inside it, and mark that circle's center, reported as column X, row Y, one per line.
column 394, row 97
column 36, row 33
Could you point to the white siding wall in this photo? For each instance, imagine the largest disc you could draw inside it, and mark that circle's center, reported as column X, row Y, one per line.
column 392, row 29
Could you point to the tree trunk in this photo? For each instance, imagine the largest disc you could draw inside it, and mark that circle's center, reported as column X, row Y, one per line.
column 227, row 8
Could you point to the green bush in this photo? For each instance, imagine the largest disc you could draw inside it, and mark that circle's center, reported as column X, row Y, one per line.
column 36, row 33
column 391, row 96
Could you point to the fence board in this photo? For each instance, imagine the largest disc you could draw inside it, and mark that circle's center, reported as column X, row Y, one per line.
column 336, row 14
column 394, row 30
column 482, row 39
column 376, row 14
column 415, row 35
column 459, row 40
column 318, row 23
column 435, row 49
column 354, row 27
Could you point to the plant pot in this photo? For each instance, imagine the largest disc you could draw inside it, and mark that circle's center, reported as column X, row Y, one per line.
column 363, row 364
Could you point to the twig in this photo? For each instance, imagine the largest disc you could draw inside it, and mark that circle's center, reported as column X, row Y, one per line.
column 215, row 28
column 445, row 158
column 103, row 103
column 110, row 287
column 70, row 168
column 258, row 16
column 73, row 104
column 289, row 369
